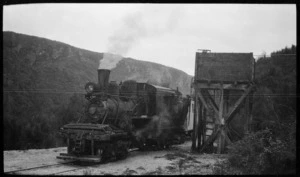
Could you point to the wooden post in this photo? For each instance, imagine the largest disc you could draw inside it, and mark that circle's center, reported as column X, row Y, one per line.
column 216, row 114
column 194, row 131
column 200, row 125
column 250, row 111
column 221, row 140
column 225, row 137
column 204, row 125
column 195, row 125
column 247, row 115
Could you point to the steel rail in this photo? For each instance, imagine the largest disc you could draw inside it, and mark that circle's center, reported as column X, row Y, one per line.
column 52, row 165
column 75, row 169
column 44, row 166
column 81, row 168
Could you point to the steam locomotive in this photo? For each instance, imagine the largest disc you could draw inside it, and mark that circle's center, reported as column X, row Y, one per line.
column 123, row 116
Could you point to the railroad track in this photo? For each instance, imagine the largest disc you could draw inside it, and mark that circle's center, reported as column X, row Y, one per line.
column 81, row 168
column 54, row 169
column 26, row 170
column 71, row 170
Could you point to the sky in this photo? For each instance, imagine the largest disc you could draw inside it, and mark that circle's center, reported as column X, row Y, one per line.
column 168, row 34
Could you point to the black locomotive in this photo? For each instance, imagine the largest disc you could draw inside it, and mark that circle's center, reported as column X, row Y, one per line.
column 122, row 116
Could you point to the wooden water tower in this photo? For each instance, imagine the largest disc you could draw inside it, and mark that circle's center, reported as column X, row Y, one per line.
column 223, row 86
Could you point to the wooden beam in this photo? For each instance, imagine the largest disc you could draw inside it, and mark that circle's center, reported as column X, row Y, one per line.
column 226, row 101
column 227, row 138
column 211, row 100
column 195, row 127
column 216, row 86
column 204, row 103
column 211, row 139
column 221, row 141
column 201, row 120
column 250, row 110
column 229, row 115
column 204, row 125
column 247, row 114
column 219, row 81
column 225, row 111
column 202, row 100
column 221, row 106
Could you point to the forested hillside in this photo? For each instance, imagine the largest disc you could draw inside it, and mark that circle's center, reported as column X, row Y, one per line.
column 43, row 83
column 276, row 88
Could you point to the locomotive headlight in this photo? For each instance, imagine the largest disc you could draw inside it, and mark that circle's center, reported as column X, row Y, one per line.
column 90, row 87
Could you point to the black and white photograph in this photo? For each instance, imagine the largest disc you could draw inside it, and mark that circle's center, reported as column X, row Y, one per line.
column 149, row 89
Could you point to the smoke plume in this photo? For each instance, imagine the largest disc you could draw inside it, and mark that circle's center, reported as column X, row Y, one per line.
column 165, row 125
column 149, row 21
column 158, row 128
column 109, row 61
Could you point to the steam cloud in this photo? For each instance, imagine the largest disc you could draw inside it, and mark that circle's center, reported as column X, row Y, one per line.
column 109, row 61
column 150, row 21
column 157, row 128
column 161, row 127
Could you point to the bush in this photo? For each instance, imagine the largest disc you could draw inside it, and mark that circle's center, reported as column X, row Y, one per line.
column 224, row 168
column 259, row 153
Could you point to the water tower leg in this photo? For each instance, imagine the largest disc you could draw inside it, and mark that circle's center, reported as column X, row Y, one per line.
column 195, row 125
column 221, row 139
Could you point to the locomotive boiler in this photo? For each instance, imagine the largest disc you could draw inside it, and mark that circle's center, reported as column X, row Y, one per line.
column 122, row 116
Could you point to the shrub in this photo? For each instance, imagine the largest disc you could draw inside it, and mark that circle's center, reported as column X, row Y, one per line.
column 259, row 153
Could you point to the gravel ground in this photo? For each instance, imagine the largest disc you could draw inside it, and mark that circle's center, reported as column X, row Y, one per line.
column 175, row 161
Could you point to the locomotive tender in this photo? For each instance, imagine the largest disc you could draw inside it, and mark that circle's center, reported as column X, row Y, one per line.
column 122, row 116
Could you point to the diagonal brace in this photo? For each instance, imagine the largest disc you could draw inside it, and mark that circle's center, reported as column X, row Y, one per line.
column 227, row 139
column 229, row 116
column 211, row 139
column 211, row 100
column 202, row 100
column 204, row 103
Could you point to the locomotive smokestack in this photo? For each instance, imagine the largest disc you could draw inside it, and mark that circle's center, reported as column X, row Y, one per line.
column 103, row 77
column 106, row 64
